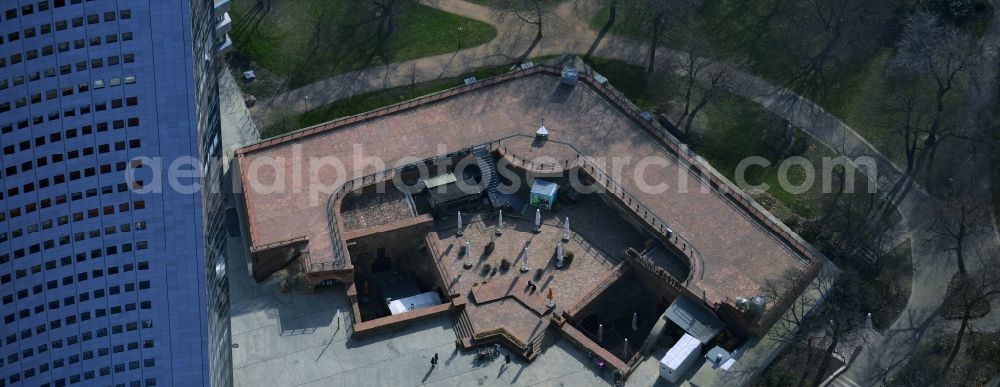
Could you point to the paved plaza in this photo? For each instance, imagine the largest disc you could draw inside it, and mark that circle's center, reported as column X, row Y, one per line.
column 296, row 338
column 503, row 299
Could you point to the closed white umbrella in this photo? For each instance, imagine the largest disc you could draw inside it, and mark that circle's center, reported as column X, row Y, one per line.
column 524, row 264
column 468, row 254
column 559, row 255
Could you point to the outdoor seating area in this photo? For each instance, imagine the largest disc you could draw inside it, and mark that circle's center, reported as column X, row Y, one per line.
column 519, row 277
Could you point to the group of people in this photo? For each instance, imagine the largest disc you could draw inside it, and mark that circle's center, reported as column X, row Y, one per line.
column 532, row 287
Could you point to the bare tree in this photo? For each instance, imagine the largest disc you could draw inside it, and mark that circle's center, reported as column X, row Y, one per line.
column 612, row 18
column 412, row 74
column 657, row 28
column 848, row 225
column 818, row 37
column 953, row 225
column 734, row 26
column 656, row 20
column 976, row 288
column 701, row 80
column 936, row 51
column 532, row 13
column 824, row 38
column 812, row 319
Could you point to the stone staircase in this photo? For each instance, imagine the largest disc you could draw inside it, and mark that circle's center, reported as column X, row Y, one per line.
column 484, row 159
column 544, row 340
column 463, row 327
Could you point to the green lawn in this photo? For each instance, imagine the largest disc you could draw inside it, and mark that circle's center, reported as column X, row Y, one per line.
column 852, row 89
column 796, row 366
column 624, row 25
column 302, row 41
column 737, row 128
column 367, row 102
column 893, row 286
column 995, row 182
column 977, row 362
column 627, row 78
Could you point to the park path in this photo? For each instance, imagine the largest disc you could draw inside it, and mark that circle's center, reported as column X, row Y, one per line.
column 932, row 268
column 568, row 31
column 511, row 40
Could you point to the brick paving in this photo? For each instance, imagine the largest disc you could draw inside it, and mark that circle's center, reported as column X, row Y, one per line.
column 502, row 299
column 739, row 254
column 374, row 209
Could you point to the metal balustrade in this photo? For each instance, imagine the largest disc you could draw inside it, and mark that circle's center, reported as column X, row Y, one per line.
column 609, row 93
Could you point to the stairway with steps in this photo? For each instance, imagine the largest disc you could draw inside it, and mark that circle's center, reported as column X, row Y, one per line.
column 463, row 327
column 544, row 340
column 488, row 167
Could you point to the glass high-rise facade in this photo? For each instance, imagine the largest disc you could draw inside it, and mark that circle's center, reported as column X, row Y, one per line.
column 101, row 282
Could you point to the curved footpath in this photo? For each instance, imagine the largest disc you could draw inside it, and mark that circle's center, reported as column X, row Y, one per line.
column 571, row 21
column 932, row 268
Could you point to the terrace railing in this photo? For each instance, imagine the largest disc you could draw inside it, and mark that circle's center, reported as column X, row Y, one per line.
column 667, row 141
column 612, row 187
column 340, row 254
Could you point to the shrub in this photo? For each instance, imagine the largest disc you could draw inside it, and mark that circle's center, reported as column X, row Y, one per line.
column 984, row 347
column 568, row 258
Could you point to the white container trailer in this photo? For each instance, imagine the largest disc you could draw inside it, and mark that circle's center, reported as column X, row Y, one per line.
column 679, row 358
